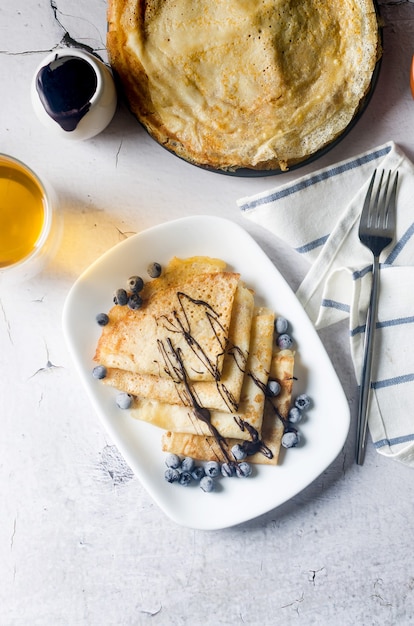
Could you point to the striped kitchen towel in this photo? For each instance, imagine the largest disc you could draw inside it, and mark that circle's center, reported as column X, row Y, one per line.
column 318, row 215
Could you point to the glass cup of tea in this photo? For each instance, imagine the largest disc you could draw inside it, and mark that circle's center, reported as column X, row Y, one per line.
column 28, row 221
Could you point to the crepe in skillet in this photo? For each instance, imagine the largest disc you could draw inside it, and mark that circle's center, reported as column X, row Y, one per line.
column 241, row 84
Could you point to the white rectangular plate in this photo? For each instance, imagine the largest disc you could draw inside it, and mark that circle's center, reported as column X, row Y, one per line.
column 323, row 431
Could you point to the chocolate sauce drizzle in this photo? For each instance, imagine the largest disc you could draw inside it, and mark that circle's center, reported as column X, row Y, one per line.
column 175, row 368
column 256, row 444
column 180, row 324
column 202, row 413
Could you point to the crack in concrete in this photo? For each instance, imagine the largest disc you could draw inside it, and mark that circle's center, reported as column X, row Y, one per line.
column 313, row 573
column 7, row 323
column 295, row 603
column 67, row 39
column 151, row 613
column 13, row 534
column 48, row 367
column 125, row 234
column 23, row 52
column 40, row 400
column 118, row 152
column 378, row 596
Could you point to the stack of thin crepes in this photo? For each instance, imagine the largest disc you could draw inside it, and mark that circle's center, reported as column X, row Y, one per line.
column 197, row 358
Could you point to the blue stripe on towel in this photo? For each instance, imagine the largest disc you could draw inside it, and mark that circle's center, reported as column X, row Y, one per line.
column 316, row 178
column 393, row 442
column 358, row 274
column 357, row 330
column 398, row 321
column 399, row 246
column 334, row 304
column 311, row 245
column 392, row 382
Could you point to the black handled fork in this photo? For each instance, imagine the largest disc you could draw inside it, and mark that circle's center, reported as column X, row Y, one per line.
column 376, row 231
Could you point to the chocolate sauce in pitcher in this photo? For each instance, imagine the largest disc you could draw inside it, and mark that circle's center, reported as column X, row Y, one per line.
column 66, row 87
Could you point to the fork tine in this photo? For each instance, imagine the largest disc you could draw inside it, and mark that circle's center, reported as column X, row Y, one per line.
column 377, row 206
column 390, row 212
column 367, row 202
column 386, row 208
column 382, row 205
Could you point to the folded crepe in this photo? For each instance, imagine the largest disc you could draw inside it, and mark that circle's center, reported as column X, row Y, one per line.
column 186, row 317
column 184, row 419
column 268, row 442
column 222, row 394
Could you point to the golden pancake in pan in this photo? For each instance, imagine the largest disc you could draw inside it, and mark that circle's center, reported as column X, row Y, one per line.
column 240, row 84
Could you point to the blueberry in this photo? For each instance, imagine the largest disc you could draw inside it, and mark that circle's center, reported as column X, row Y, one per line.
column 198, row 472
column 302, row 402
column 99, row 371
column 173, row 461
column 134, row 301
column 273, row 388
column 185, row 478
column 123, row 400
column 120, row 297
column 187, row 464
column 290, row 439
column 281, row 325
column 102, row 319
column 243, row 470
column 228, row 470
column 154, row 270
column 295, row 415
column 284, row 341
column 212, row 468
column 238, row 452
column 135, row 284
column 207, row 484
column 172, row 475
